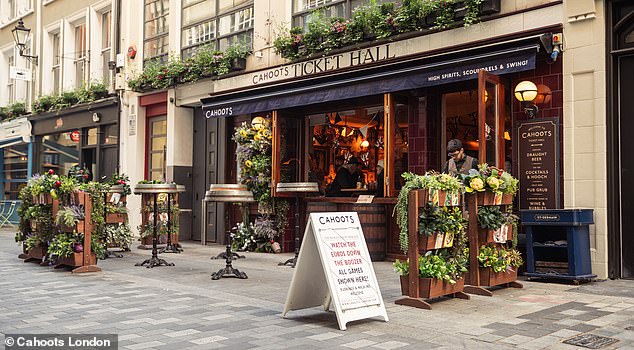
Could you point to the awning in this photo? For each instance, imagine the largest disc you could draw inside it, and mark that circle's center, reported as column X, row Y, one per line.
column 380, row 82
column 12, row 142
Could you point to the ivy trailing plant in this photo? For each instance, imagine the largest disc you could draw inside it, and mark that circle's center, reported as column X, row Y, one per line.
column 119, row 235
column 473, row 12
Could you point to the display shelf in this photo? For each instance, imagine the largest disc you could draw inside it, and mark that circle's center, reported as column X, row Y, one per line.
column 418, row 290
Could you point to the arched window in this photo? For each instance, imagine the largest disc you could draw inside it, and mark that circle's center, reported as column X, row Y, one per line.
column 623, row 29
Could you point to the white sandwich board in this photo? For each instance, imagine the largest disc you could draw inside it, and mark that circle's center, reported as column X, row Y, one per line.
column 334, row 266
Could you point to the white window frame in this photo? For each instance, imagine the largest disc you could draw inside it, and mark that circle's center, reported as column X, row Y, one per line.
column 21, row 8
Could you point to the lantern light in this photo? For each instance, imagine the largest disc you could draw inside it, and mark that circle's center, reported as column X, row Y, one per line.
column 525, row 92
column 21, row 37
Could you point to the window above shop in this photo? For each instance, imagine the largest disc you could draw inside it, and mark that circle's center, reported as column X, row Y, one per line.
column 156, row 30
column 302, row 9
column 219, row 23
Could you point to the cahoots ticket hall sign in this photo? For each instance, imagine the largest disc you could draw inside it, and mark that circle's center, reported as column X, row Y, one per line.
column 419, row 74
column 538, row 166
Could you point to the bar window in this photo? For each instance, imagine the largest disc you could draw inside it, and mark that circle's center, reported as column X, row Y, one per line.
column 156, row 30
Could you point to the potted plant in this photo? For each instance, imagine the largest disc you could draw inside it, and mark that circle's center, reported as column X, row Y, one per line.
column 67, row 217
column 498, row 265
column 437, row 276
column 492, row 185
column 237, row 56
column 439, row 225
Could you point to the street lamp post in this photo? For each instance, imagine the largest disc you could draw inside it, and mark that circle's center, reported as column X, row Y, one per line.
column 21, row 37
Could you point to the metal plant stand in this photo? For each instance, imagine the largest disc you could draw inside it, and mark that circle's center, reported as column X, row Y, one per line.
column 298, row 189
column 155, row 190
column 171, row 248
column 228, row 193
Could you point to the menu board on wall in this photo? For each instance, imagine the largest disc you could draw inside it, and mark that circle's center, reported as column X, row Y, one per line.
column 538, row 165
column 334, row 266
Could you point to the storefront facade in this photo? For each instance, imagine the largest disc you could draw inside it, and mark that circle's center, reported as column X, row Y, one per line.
column 399, row 101
column 84, row 135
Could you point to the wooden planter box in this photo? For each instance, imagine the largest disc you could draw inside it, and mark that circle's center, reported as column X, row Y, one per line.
column 77, row 259
column 432, row 288
column 116, row 218
column 36, row 253
column 488, row 278
column 502, row 235
column 490, row 198
column 436, row 241
column 109, row 198
column 45, row 198
column 487, row 7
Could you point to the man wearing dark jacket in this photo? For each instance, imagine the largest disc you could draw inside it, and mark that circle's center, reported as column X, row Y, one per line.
column 347, row 177
column 459, row 163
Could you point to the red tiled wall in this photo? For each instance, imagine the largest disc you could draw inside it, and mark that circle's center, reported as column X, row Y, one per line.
column 423, row 137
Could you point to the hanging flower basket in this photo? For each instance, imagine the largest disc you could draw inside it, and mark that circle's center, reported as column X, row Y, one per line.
column 432, row 287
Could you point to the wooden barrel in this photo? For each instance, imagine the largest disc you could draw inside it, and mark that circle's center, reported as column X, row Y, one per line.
column 373, row 223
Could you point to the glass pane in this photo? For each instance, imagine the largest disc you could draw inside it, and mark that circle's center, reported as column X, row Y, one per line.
column 198, row 12
column 199, row 33
column 159, row 127
column 156, row 47
column 80, row 41
column 56, row 80
column 338, row 10
column 156, row 26
column 302, row 5
column 105, row 58
column 290, row 130
column 236, row 21
column 460, row 111
column 111, row 135
column 491, row 124
column 155, row 9
column 158, row 143
column 242, row 38
column 105, row 29
column 14, row 169
column 157, row 160
column 339, row 140
column 80, row 71
column 401, row 145
column 156, row 175
column 109, row 161
column 59, row 152
column 92, row 137
column 227, row 5
column 55, row 45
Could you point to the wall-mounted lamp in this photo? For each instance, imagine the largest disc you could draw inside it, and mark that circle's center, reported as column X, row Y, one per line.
column 258, row 123
column 21, row 38
column 544, row 95
column 526, row 92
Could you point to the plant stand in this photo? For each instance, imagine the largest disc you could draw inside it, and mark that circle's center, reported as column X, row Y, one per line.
column 484, row 277
column 171, row 248
column 228, row 193
column 297, row 189
column 115, row 218
column 86, row 261
column 155, row 189
column 413, row 287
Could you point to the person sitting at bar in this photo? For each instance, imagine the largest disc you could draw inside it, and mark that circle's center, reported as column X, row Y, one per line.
column 347, row 177
column 380, row 179
column 459, row 162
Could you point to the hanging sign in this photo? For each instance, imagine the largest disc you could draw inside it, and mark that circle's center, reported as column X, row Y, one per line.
column 74, row 136
column 19, row 73
column 334, row 266
column 538, row 170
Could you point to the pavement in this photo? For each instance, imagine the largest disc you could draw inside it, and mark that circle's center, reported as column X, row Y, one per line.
column 180, row 307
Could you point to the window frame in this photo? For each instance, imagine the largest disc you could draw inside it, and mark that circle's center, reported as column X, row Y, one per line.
column 148, row 147
column 216, row 20
column 56, row 66
column 157, row 36
column 106, row 27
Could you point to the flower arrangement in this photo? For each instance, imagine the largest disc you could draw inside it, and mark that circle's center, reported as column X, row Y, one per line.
column 488, row 178
column 242, row 237
column 82, row 175
column 371, row 21
column 499, row 259
column 123, row 180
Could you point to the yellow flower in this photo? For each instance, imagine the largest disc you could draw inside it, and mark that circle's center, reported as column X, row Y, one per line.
column 248, row 163
column 257, row 137
column 493, row 182
column 243, row 133
column 476, row 184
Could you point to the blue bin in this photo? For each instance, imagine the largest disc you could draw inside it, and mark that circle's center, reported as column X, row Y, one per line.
column 558, row 243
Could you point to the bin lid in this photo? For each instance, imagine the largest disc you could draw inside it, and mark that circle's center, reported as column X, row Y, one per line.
column 557, row 217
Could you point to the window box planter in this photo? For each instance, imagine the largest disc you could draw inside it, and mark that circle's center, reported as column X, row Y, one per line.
column 490, row 198
column 238, row 63
column 430, row 288
column 76, row 259
column 487, row 7
column 502, row 235
column 436, row 241
column 114, row 218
